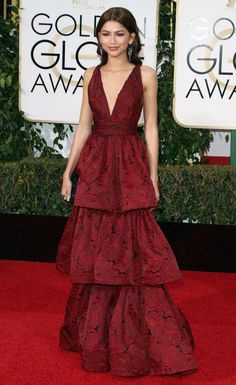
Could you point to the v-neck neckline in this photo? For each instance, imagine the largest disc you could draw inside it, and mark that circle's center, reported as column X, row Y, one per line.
column 119, row 93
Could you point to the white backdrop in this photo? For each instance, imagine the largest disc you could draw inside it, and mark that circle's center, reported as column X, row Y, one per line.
column 205, row 64
column 57, row 43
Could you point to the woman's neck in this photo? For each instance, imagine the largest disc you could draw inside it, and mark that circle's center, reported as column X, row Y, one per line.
column 117, row 64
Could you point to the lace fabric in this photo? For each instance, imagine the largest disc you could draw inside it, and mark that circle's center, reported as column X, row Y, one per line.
column 129, row 330
column 119, row 314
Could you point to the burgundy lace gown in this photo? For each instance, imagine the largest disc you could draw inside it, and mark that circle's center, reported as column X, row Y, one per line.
column 119, row 314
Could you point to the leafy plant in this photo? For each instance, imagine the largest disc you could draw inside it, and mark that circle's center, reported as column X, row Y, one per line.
column 194, row 194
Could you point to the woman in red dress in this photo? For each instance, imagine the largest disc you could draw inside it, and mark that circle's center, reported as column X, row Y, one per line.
column 119, row 314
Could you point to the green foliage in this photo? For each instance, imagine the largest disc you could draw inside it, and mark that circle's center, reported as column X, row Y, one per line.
column 32, row 186
column 200, row 193
column 178, row 145
column 19, row 137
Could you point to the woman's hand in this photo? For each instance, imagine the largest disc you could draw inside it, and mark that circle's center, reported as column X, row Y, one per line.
column 156, row 188
column 66, row 187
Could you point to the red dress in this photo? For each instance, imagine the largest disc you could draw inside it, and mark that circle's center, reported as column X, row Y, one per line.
column 119, row 314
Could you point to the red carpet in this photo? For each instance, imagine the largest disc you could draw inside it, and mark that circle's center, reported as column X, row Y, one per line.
column 32, row 303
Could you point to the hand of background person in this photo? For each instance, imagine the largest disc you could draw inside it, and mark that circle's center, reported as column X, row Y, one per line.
column 66, row 187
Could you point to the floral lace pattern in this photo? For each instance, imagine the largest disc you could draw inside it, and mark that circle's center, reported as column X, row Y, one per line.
column 131, row 331
column 113, row 167
column 119, row 314
column 117, row 248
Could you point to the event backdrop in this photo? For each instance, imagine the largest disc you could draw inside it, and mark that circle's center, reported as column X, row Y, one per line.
column 205, row 64
column 57, row 44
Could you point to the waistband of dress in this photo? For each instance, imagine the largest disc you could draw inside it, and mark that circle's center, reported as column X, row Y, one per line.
column 112, row 128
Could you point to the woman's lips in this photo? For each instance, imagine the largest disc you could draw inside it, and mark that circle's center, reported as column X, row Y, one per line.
column 112, row 48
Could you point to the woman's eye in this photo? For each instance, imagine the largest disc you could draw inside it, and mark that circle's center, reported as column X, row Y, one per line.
column 107, row 34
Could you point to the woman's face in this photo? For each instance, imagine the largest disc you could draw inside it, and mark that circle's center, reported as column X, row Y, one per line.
column 114, row 38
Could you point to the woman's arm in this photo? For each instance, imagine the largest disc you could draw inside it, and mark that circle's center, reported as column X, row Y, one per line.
column 149, row 79
column 82, row 132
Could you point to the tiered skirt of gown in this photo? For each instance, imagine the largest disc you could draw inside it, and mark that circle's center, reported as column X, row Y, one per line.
column 119, row 314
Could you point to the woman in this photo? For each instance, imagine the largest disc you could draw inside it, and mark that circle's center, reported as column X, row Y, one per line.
column 119, row 314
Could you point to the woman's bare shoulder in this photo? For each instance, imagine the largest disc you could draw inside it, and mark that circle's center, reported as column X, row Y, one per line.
column 88, row 73
column 149, row 76
column 147, row 71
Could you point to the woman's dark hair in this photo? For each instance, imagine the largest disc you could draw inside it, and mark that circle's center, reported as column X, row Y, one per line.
column 124, row 17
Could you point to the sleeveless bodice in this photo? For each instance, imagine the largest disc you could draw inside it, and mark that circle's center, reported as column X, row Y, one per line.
column 113, row 166
column 127, row 109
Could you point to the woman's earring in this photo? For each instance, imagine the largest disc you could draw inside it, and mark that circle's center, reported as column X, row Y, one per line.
column 100, row 50
column 130, row 51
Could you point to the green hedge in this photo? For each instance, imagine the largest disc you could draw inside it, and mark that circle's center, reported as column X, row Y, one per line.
column 199, row 193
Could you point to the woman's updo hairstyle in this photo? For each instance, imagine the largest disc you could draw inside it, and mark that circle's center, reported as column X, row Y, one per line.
column 124, row 17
